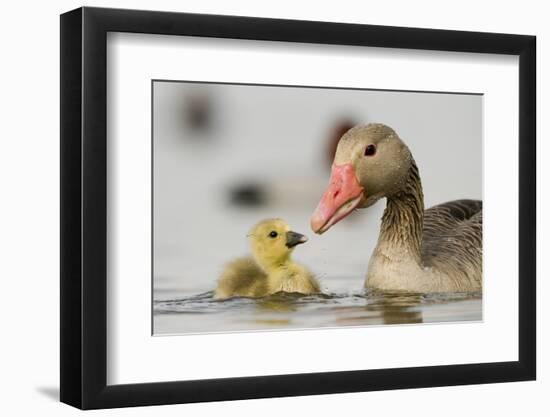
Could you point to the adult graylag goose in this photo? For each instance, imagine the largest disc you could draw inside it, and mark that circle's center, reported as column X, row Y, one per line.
column 422, row 251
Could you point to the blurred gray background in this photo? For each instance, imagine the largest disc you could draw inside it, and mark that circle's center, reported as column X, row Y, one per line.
column 227, row 156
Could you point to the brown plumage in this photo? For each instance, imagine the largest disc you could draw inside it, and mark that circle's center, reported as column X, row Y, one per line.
column 452, row 240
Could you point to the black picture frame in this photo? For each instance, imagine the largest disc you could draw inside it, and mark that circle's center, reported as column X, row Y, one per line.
column 84, row 207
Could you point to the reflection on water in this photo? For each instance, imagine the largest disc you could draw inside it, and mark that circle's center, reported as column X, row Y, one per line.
column 203, row 314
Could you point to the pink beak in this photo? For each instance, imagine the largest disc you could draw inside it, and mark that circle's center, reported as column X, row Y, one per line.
column 341, row 197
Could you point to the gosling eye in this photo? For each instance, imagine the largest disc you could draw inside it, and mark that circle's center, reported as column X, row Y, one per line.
column 370, row 150
column 273, row 234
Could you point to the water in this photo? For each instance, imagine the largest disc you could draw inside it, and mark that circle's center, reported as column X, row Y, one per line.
column 201, row 313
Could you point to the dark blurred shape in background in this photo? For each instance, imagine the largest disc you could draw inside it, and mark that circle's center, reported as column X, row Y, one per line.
column 248, row 194
column 198, row 112
column 340, row 127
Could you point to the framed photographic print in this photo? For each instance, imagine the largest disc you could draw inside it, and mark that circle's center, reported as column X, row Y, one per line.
column 258, row 207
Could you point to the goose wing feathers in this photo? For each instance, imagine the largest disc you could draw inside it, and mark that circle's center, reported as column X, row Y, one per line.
column 440, row 218
column 452, row 238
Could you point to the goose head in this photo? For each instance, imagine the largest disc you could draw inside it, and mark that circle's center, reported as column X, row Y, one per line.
column 272, row 242
column 371, row 162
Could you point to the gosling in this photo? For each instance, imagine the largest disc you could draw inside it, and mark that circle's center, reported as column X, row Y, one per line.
column 269, row 270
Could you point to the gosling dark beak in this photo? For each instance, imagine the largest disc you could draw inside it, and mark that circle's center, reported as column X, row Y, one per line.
column 293, row 239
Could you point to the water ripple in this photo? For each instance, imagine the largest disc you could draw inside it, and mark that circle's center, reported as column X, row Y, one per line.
column 206, row 303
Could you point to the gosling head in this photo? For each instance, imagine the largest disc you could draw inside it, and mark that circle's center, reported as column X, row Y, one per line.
column 371, row 162
column 272, row 242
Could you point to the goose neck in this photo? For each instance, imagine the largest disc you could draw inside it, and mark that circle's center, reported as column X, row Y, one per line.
column 402, row 222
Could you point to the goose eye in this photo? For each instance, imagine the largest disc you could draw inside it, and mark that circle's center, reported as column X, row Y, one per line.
column 273, row 234
column 370, row 150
